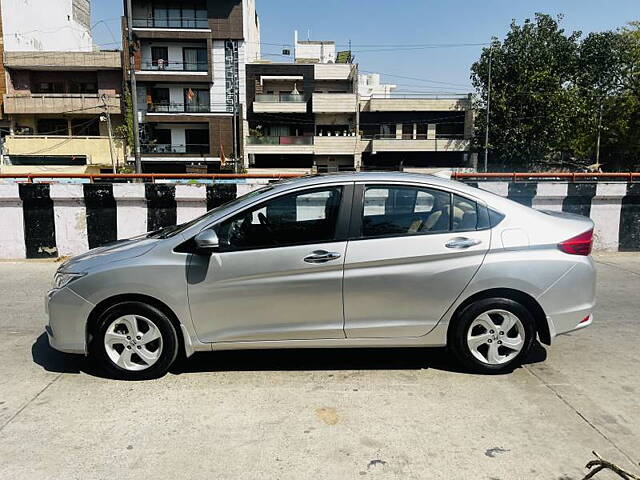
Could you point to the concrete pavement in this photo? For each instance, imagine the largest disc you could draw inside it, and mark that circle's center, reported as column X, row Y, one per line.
column 398, row 413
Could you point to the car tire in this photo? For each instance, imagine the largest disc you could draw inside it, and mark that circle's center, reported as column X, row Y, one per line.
column 479, row 341
column 134, row 341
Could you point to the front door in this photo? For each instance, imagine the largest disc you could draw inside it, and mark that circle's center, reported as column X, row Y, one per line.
column 413, row 252
column 278, row 274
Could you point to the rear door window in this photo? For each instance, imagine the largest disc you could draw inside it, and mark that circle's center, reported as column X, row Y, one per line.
column 404, row 210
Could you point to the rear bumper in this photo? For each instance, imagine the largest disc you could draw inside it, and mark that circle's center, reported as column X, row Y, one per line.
column 68, row 313
column 570, row 301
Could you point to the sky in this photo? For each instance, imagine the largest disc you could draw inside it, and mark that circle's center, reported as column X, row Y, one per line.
column 404, row 38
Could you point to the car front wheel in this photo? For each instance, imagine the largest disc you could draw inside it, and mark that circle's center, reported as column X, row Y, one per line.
column 134, row 341
column 493, row 335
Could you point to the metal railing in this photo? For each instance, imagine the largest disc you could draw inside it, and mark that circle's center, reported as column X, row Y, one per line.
column 172, row 22
column 549, row 176
column 280, row 98
column 178, row 108
column 161, row 65
column 418, row 136
column 418, row 96
column 160, row 148
column 280, row 140
column 126, row 177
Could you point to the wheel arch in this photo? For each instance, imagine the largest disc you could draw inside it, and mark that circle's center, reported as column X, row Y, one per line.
column 107, row 303
column 541, row 323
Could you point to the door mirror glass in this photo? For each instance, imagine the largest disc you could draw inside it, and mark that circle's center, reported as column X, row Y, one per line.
column 207, row 240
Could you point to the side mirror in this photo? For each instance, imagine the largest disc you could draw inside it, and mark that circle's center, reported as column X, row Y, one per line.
column 207, row 240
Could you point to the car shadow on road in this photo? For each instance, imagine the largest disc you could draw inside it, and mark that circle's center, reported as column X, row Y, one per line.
column 280, row 360
column 54, row 361
column 331, row 359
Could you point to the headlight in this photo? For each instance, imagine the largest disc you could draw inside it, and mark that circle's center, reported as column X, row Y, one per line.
column 62, row 279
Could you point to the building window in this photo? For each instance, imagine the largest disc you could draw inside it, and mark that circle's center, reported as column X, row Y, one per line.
column 196, row 100
column 53, row 126
column 195, row 59
column 83, row 87
column 407, row 131
column 48, row 87
column 159, row 57
column 388, row 130
column 180, row 16
column 158, row 100
column 197, row 141
column 83, row 127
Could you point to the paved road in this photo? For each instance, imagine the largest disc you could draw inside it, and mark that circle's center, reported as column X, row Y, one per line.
column 401, row 413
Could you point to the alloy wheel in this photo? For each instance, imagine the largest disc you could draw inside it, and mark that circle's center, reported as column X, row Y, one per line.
column 495, row 337
column 133, row 342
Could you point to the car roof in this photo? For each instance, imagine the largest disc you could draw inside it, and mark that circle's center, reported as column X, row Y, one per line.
column 322, row 178
column 429, row 180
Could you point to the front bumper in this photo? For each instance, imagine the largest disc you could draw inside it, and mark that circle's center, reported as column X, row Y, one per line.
column 68, row 313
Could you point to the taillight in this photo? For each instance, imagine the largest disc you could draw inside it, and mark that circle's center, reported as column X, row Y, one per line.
column 578, row 245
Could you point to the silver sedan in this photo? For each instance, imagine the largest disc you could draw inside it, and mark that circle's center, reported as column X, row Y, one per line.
column 346, row 260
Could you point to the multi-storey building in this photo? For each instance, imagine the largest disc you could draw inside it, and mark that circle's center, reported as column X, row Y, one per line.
column 319, row 113
column 190, row 61
column 310, row 116
column 60, row 94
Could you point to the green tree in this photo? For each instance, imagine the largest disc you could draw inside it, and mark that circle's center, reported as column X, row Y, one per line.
column 125, row 131
column 532, row 111
column 554, row 96
column 602, row 83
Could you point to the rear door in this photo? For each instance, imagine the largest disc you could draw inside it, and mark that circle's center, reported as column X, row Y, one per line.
column 413, row 249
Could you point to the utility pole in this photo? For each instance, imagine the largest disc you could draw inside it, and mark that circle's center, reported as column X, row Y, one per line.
column 486, row 133
column 599, row 134
column 108, row 118
column 236, row 87
column 134, row 89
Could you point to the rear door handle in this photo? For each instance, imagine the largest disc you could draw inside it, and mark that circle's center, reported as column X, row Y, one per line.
column 462, row 242
column 321, row 256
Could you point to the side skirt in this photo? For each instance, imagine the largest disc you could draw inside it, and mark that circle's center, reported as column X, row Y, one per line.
column 436, row 338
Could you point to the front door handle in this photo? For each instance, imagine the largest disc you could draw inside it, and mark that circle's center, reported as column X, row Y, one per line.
column 462, row 242
column 321, row 256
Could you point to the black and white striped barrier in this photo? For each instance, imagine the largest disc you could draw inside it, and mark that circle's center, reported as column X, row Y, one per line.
column 614, row 207
column 42, row 220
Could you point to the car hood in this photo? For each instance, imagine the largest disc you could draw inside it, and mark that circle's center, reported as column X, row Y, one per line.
column 113, row 252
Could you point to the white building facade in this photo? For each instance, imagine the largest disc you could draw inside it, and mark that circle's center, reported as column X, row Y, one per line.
column 46, row 25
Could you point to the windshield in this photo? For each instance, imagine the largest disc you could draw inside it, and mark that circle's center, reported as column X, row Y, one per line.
column 172, row 230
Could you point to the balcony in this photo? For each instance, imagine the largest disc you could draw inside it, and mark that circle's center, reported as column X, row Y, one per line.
column 95, row 149
column 333, row 71
column 439, row 144
column 54, row 103
column 175, row 149
column 67, row 61
column 178, row 108
column 162, row 66
column 335, row 145
column 334, row 103
column 282, row 103
column 292, row 145
column 415, row 104
column 200, row 22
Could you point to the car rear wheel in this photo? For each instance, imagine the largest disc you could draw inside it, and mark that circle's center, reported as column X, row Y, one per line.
column 134, row 341
column 493, row 335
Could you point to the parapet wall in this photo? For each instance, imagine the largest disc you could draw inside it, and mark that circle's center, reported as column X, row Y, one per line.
column 51, row 220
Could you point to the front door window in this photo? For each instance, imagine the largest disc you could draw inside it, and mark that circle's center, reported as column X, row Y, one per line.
column 296, row 219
